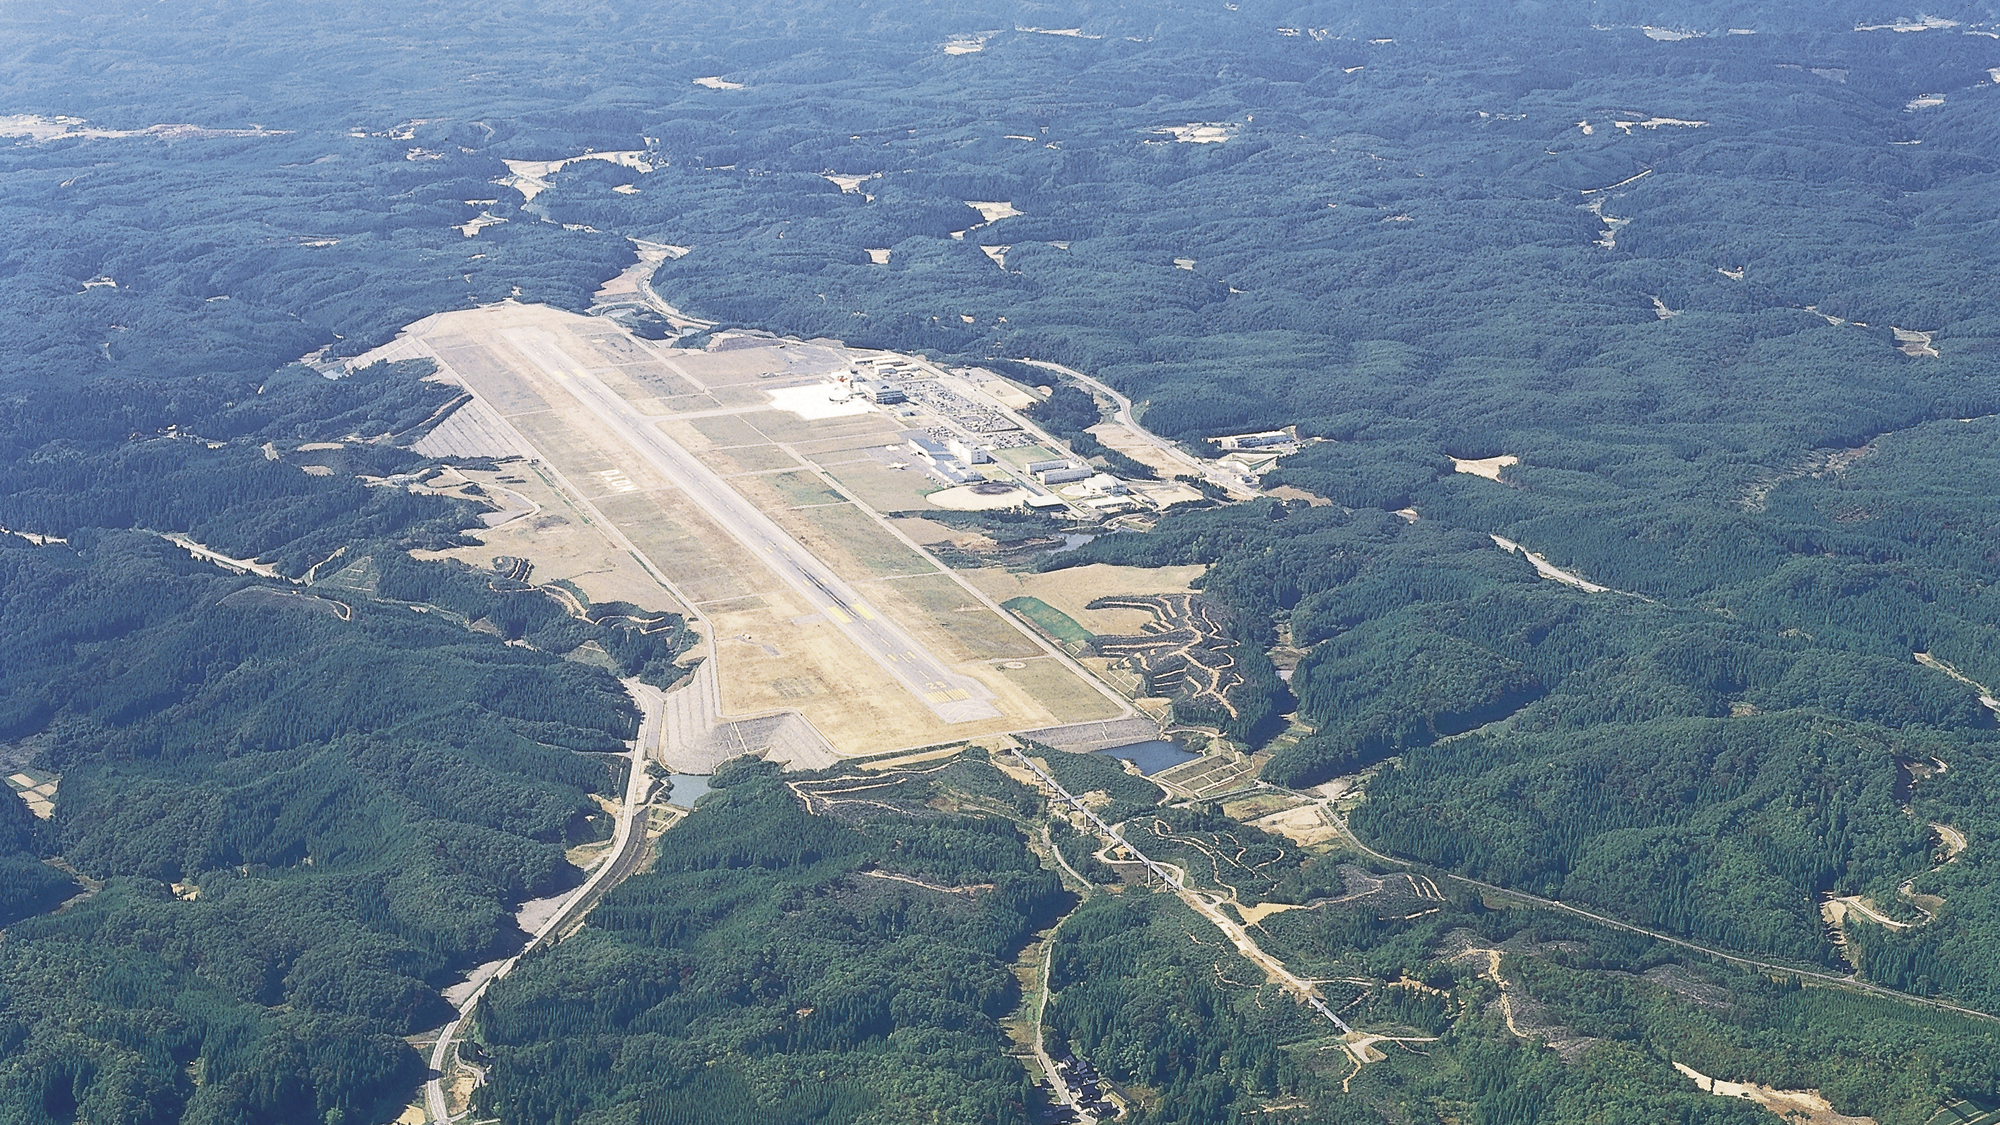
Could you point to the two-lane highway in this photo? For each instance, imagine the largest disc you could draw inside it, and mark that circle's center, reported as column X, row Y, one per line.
column 953, row 697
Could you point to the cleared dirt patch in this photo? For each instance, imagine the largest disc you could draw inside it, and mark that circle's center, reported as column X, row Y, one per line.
column 1793, row 1105
column 37, row 789
column 1488, row 467
column 1303, row 825
column 1122, row 439
column 1255, row 914
column 1548, row 569
column 1913, row 343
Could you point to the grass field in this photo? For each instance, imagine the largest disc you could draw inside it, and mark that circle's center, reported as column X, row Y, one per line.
column 1049, row 620
column 1068, row 698
column 846, row 530
column 953, row 617
column 803, row 488
column 859, row 429
column 683, row 542
column 722, row 430
column 747, row 459
column 882, row 488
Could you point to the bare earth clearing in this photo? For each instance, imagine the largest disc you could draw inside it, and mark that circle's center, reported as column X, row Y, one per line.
column 1793, row 1105
column 1488, row 467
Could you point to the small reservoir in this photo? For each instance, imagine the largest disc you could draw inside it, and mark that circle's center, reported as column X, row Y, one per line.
column 1152, row 757
column 687, row 788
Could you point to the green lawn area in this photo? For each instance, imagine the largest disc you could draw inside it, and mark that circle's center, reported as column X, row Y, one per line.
column 1049, row 620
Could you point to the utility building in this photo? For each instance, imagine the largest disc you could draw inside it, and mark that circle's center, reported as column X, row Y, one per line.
column 1068, row 472
column 1255, row 441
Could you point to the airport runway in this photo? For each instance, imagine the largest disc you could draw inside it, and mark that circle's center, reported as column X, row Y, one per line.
column 953, row 697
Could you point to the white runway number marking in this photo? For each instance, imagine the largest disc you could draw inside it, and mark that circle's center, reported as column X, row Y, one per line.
column 616, row 480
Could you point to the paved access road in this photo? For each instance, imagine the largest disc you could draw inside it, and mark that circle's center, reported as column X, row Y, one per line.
column 627, row 852
column 953, row 697
column 1122, row 414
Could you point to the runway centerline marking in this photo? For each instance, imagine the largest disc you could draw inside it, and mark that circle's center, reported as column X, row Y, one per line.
column 955, row 698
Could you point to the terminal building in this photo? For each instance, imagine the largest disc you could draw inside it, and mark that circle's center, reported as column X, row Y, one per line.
column 879, row 392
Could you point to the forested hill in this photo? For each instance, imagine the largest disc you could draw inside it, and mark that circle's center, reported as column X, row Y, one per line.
column 288, row 815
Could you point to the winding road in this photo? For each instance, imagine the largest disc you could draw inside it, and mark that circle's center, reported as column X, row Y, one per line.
column 623, row 860
column 1122, row 414
column 1174, row 880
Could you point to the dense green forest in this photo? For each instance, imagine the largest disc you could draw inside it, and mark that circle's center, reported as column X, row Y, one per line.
column 799, row 956
column 1720, row 277
column 296, row 812
column 780, row 966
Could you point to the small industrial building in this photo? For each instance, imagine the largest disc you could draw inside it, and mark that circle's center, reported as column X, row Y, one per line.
column 952, row 473
column 1068, row 471
column 928, row 448
column 950, row 462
